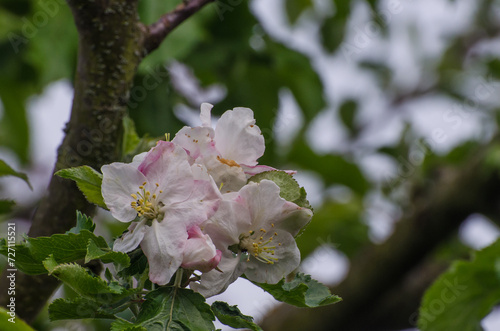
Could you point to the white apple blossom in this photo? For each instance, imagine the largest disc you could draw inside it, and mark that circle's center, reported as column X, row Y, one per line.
column 168, row 197
column 254, row 229
column 230, row 151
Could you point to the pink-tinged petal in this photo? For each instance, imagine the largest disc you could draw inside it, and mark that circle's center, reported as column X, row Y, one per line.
column 226, row 173
column 205, row 115
column 163, row 245
column 198, row 142
column 131, row 239
column 230, row 220
column 119, row 181
column 288, row 256
column 205, row 187
column 200, row 252
column 238, row 138
column 250, row 171
column 167, row 165
column 215, row 282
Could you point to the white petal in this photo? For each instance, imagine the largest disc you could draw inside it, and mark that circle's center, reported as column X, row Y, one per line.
column 238, row 138
column 197, row 142
column 205, row 115
column 167, row 165
column 288, row 256
column 263, row 201
column 163, row 245
column 119, row 181
column 215, row 282
column 230, row 220
column 131, row 239
column 231, row 177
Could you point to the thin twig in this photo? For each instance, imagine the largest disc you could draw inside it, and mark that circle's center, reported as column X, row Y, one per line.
column 156, row 32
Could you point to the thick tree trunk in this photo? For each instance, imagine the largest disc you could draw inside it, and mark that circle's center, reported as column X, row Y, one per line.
column 110, row 49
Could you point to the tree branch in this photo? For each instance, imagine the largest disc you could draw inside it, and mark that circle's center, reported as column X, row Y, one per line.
column 156, row 32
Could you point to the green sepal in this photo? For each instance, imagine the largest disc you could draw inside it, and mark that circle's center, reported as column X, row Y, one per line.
column 88, row 181
column 232, row 316
column 301, row 291
column 6, row 206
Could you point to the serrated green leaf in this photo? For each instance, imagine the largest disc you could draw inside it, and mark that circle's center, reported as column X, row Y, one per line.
column 15, row 324
column 94, row 252
column 80, row 281
column 302, row 291
column 24, row 260
column 83, row 222
column 289, row 188
column 173, row 308
column 461, row 297
column 88, row 181
column 61, row 309
column 6, row 170
column 65, row 248
column 6, row 206
column 232, row 316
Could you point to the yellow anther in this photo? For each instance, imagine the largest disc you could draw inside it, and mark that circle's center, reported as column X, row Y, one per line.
column 272, row 225
column 262, row 230
column 134, row 196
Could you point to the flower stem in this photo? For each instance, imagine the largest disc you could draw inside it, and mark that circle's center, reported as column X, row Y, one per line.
column 178, row 278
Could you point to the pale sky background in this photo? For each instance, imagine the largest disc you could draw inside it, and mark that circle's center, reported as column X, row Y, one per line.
column 435, row 20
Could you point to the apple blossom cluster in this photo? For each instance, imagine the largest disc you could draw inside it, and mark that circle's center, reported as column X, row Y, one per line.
column 192, row 206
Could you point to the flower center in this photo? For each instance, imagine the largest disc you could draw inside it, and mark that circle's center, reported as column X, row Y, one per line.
column 147, row 204
column 260, row 244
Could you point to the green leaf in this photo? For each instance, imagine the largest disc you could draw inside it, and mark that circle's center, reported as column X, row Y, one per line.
column 122, row 325
column 78, row 308
column 461, row 297
column 24, row 260
column 15, row 324
column 173, row 308
column 64, row 247
column 302, row 291
column 88, row 181
column 94, row 252
column 83, row 222
column 6, row 206
column 289, row 188
column 232, row 316
column 6, row 170
column 80, row 281
column 138, row 263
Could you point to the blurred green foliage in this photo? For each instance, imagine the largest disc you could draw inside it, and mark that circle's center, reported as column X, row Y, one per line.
column 226, row 44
